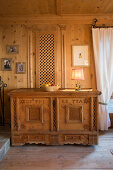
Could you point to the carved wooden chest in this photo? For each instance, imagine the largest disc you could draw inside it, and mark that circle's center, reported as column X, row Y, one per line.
column 54, row 118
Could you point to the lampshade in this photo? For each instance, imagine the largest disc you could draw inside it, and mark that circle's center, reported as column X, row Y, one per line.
column 77, row 74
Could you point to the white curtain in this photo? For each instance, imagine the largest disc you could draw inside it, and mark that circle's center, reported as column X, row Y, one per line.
column 103, row 54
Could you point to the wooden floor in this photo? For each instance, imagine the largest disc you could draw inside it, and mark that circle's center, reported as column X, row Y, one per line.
column 67, row 157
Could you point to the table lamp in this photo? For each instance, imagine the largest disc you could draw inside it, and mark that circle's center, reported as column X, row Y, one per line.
column 77, row 74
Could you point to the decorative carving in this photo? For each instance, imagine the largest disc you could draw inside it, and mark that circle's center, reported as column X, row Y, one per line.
column 54, row 130
column 74, row 114
column 78, row 139
column 86, row 127
column 23, row 126
column 54, row 116
column 81, row 101
column 62, row 26
column 34, row 113
column 94, row 113
column 23, row 139
column 36, row 138
column 22, row 101
column 15, row 114
column 47, row 59
column 87, row 100
column 27, row 101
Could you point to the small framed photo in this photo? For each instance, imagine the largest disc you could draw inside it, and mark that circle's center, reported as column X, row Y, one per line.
column 13, row 49
column 80, row 55
column 6, row 64
column 20, row 68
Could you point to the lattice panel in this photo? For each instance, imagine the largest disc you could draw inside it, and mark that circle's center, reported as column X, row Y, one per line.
column 90, row 114
column 54, row 117
column 47, row 59
column 15, row 116
column 94, row 113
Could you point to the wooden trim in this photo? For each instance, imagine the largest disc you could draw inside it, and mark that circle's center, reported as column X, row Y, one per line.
column 65, row 19
column 55, row 54
column 28, row 62
column 37, row 61
column 63, row 56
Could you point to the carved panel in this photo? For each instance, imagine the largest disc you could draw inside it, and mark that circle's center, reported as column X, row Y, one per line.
column 34, row 113
column 36, row 138
column 74, row 114
column 78, row 139
column 26, row 138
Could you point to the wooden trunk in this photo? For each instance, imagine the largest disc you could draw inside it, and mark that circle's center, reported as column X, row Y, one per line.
column 54, row 118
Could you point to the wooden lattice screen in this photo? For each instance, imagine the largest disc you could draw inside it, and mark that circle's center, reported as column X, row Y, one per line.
column 47, row 59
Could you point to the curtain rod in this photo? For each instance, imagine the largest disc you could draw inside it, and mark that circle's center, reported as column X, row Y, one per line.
column 101, row 26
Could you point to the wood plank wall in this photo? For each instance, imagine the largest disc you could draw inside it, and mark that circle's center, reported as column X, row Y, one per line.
column 18, row 34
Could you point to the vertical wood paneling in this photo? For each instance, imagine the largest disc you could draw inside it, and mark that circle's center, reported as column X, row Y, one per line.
column 18, row 35
column 80, row 35
column 13, row 35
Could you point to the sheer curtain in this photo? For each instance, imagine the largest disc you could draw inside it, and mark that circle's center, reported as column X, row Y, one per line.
column 103, row 54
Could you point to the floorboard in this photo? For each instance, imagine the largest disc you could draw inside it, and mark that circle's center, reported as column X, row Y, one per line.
column 67, row 157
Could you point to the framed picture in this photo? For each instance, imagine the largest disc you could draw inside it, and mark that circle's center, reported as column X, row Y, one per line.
column 20, row 68
column 13, row 49
column 80, row 55
column 6, row 64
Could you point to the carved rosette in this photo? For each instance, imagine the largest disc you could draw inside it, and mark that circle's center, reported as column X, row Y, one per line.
column 62, row 27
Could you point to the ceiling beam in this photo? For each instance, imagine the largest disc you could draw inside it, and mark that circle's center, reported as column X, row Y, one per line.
column 64, row 19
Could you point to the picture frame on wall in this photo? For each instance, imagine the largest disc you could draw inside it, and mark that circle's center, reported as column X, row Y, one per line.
column 6, row 64
column 12, row 49
column 80, row 55
column 20, row 67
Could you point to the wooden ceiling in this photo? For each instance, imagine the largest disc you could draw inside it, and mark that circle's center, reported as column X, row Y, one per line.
column 55, row 7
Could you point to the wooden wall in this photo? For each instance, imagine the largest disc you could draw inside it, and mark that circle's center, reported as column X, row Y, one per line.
column 13, row 35
column 26, row 37
column 80, row 35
